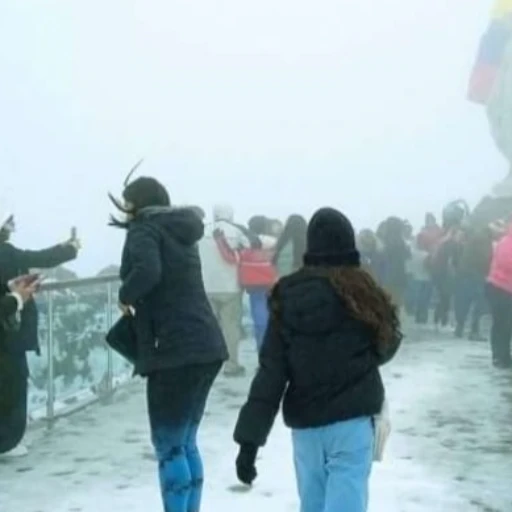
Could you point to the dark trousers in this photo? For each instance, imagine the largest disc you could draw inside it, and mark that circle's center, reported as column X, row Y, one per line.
column 176, row 403
column 469, row 293
column 13, row 413
column 411, row 295
column 423, row 299
column 418, row 297
column 500, row 303
column 444, row 289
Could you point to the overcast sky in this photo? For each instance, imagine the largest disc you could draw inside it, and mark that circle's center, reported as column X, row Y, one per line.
column 275, row 106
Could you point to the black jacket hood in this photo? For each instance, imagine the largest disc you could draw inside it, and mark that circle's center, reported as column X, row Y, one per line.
column 182, row 224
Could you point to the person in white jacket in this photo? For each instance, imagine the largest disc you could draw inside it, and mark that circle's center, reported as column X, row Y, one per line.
column 221, row 282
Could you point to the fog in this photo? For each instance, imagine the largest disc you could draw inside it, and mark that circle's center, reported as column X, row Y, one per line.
column 274, row 107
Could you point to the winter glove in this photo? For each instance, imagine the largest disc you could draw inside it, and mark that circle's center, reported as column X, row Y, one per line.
column 245, row 464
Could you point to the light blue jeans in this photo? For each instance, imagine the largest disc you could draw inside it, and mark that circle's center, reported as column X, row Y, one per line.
column 333, row 466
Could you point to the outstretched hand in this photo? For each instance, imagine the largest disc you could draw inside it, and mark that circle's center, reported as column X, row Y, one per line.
column 246, row 464
column 75, row 242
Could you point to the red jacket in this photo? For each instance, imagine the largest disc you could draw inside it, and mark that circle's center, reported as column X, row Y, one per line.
column 500, row 274
column 429, row 237
column 255, row 268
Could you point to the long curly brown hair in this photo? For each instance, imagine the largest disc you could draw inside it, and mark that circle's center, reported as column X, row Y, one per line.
column 365, row 299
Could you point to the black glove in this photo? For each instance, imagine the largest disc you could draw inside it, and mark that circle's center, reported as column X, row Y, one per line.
column 218, row 233
column 246, row 464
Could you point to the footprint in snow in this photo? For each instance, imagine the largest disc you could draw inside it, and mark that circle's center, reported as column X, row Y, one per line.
column 240, row 488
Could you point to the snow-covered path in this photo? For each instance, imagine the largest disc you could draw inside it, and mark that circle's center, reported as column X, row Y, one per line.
column 451, row 449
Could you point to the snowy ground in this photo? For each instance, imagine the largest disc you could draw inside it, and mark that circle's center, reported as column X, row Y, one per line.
column 451, row 449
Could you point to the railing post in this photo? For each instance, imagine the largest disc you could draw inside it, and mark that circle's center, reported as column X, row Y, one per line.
column 50, row 385
column 110, row 360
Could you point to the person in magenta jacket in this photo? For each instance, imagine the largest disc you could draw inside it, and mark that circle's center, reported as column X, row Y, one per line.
column 499, row 293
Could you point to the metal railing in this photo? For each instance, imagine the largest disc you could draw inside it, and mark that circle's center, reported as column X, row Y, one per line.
column 76, row 366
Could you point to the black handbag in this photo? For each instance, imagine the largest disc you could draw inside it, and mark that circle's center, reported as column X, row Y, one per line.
column 122, row 338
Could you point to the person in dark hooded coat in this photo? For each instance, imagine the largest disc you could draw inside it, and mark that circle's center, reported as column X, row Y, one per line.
column 13, row 297
column 13, row 263
column 180, row 347
column 331, row 327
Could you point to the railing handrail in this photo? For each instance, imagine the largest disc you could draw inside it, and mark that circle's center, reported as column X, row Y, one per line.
column 78, row 283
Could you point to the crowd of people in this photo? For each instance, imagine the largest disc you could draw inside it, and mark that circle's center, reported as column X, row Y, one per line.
column 326, row 304
column 440, row 275
column 448, row 274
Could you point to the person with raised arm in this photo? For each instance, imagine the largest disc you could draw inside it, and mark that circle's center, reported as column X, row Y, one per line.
column 13, row 263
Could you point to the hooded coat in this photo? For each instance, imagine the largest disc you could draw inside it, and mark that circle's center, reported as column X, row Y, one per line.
column 161, row 278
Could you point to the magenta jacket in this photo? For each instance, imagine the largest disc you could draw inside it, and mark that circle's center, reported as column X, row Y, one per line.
column 500, row 274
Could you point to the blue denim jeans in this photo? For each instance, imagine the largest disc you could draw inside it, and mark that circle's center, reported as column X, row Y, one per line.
column 258, row 299
column 176, row 403
column 333, row 465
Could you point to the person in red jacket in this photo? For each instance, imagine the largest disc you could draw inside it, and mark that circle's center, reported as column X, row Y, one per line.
column 499, row 293
column 430, row 234
column 256, row 271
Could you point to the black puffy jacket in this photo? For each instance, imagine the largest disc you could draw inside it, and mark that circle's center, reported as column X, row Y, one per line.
column 8, row 305
column 318, row 356
column 162, row 279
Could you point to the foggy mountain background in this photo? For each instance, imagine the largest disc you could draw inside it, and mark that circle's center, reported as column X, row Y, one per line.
column 273, row 106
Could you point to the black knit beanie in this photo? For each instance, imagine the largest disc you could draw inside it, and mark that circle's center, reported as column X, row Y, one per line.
column 331, row 240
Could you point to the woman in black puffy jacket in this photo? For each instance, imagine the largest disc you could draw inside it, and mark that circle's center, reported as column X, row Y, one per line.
column 331, row 327
column 179, row 344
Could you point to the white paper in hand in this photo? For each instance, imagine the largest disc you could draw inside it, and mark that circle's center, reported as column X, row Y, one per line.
column 382, row 427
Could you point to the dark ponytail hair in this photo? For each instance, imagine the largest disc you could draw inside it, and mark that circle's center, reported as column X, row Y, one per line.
column 141, row 193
